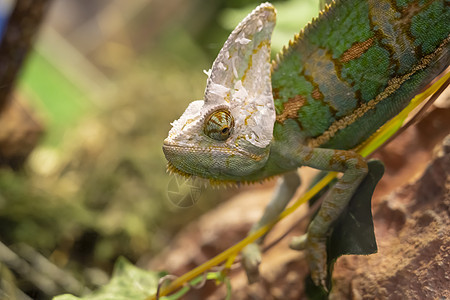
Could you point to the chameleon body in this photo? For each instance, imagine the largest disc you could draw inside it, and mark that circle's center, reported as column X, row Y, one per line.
column 347, row 73
column 357, row 66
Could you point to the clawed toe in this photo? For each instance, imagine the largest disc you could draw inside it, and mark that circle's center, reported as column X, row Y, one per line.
column 251, row 259
column 299, row 242
column 316, row 255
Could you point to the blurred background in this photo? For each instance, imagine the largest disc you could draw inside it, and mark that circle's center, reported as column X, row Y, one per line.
column 82, row 173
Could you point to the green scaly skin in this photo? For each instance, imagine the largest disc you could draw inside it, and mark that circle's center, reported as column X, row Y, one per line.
column 345, row 75
column 359, row 55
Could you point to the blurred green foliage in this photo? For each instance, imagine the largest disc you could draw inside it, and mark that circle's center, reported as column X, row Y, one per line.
column 127, row 282
column 63, row 102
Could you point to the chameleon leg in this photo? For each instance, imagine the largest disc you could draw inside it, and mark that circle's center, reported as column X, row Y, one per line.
column 354, row 169
column 286, row 188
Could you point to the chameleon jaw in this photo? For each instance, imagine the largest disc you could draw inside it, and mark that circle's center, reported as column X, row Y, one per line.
column 172, row 170
column 235, row 163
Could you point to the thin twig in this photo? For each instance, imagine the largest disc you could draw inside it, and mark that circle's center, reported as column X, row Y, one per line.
column 161, row 282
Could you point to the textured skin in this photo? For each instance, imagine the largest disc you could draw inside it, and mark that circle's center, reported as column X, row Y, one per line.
column 357, row 66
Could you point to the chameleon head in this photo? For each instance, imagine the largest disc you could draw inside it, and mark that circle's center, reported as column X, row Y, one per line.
column 227, row 135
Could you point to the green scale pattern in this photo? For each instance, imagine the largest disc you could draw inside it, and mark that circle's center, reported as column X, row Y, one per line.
column 398, row 34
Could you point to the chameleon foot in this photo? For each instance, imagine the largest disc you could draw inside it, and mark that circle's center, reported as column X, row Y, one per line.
column 251, row 258
column 316, row 255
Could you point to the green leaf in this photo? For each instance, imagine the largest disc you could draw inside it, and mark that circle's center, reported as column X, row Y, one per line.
column 313, row 292
column 128, row 282
column 353, row 232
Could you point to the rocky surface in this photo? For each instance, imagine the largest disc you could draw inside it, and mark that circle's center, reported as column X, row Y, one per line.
column 411, row 208
column 412, row 226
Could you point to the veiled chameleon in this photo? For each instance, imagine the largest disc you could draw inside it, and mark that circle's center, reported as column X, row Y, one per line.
column 346, row 74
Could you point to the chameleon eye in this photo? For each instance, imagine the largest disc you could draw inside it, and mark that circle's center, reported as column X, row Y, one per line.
column 218, row 125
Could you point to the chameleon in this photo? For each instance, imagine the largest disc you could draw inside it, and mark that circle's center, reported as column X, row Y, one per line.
column 349, row 71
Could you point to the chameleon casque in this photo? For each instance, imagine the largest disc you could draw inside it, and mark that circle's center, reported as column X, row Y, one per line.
column 342, row 77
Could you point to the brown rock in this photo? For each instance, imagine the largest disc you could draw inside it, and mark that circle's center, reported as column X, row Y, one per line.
column 412, row 227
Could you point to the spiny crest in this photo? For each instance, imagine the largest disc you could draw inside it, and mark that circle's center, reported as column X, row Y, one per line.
column 239, row 83
column 303, row 32
column 235, row 184
column 172, row 170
